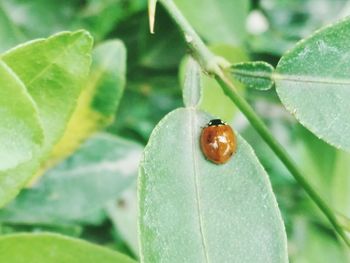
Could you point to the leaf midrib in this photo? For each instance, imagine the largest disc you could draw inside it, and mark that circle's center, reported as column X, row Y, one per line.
column 196, row 184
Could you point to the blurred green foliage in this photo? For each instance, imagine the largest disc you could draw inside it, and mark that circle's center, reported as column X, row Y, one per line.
column 264, row 30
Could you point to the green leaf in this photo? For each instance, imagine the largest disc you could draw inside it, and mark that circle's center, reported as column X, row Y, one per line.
column 194, row 211
column 99, row 100
column 255, row 75
column 43, row 248
column 52, row 71
column 78, row 189
column 227, row 19
column 21, row 134
column 192, row 86
column 313, row 83
column 61, row 63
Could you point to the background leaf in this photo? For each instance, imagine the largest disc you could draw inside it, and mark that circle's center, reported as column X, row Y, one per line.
column 314, row 84
column 43, row 248
column 77, row 190
column 194, row 211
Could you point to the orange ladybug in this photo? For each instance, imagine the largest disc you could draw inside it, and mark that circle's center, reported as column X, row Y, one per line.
column 218, row 141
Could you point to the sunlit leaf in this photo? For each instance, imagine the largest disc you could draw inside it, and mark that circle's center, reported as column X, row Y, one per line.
column 44, row 248
column 52, row 71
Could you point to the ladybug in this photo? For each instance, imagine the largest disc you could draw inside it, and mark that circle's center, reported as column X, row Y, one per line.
column 218, row 141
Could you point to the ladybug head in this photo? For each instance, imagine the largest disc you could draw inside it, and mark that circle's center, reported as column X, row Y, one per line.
column 216, row 122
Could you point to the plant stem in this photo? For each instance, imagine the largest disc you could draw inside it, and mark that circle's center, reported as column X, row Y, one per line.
column 211, row 64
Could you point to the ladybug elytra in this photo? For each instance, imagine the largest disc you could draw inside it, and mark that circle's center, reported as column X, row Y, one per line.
column 218, row 141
